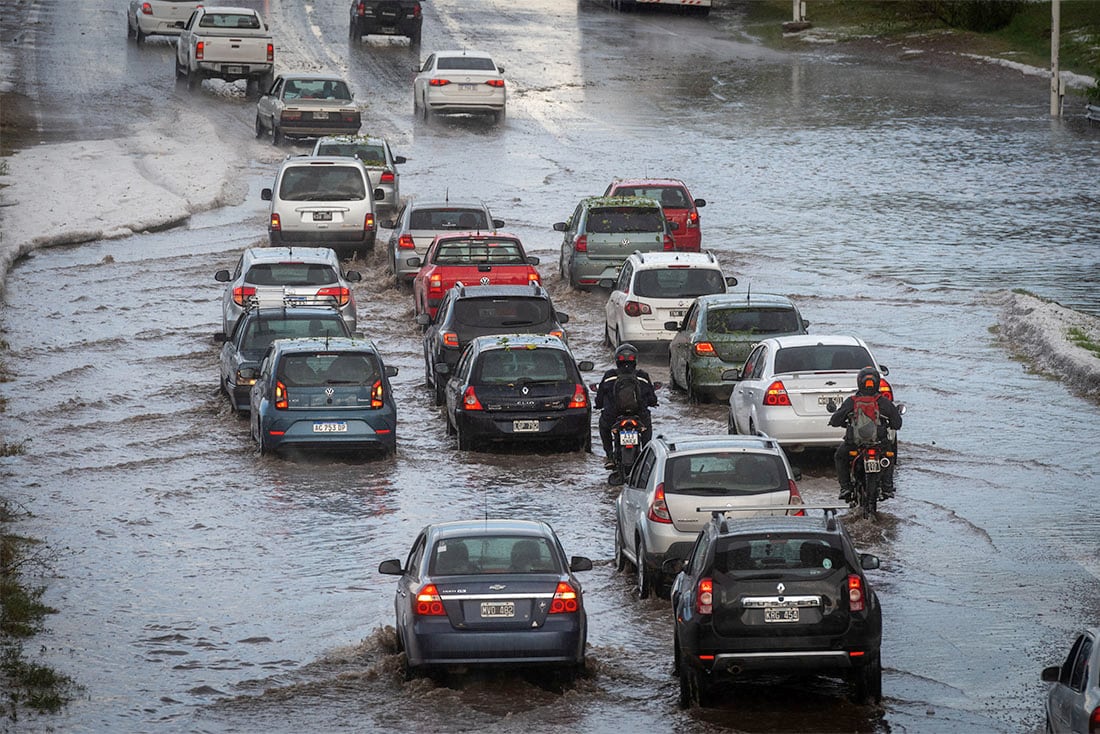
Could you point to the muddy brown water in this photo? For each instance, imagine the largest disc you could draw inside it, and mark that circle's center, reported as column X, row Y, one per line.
column 202, row 588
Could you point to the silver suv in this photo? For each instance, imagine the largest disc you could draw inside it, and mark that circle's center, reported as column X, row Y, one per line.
column 323, row 200
column 679, row 481
column 378, row 159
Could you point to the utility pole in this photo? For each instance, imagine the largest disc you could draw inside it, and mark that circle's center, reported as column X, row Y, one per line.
column 1055, row 75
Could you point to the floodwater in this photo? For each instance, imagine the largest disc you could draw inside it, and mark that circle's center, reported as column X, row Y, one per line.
column 202, row 588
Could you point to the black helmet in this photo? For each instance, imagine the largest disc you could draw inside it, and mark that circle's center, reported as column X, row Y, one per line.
column 626, row 358
column 868, row 381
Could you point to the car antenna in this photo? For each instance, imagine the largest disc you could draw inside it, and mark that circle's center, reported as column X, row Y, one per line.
column 447, row 195
column 748, row 295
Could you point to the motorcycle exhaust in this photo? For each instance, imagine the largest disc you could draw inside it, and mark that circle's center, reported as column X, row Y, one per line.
column 884, row 462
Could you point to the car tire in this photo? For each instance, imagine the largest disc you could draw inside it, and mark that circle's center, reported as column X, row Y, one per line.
column 621, row 561
column 694, row 691
column 731, row 423
column 451, row 430
column 692, row 393
column 867, row 682
column 264, row 83
column 498, row 117
column 129, row 28
column 645, row 578
column 425, row 113
column 194, row 80
column 277, row 137
column 139, row 36
column 439, row 396
column 259, row 127
column 465, row 441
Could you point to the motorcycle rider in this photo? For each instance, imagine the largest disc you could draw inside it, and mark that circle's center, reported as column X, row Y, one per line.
column 626, row 363
column 867, row 383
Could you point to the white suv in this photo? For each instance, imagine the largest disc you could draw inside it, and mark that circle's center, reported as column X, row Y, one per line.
column 658, row 287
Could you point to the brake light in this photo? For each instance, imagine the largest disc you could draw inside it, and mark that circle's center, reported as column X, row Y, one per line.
column 658, row 508
column 281, row 396
column 565, row 599
column 291, row 115
column 361, row 9
column 558, row 333
column 416, row 10
column 776, row 394
column 242, row 293
column 580, row 398
column 498, row 83
column 580, row 244
column 704, row 349
column 532, row 278
column 376, row 394
column 1094, row 721
column 693, row 219
column 276, row 223
column 270, row 53
column 405, row 242
column 470, row 401
column 368, row 222
column 341, row 294
column 885, row 389
column 855, row 593
column 634, row 308
column 146, row 9
column 435, row 285
column 438, row 82
column 199, row 50
column 795, row 500
column 428, row 603
column 386, row 177
column 670, row 245
column 450, row 339
column 704, row 597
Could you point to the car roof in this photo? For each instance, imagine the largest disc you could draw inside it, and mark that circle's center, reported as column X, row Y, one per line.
column 647, row 182
column 447, row 205
column 368, row 139
column 640, row 201
column 303, row 76
column 478, row 234
column 503, row 341
column 744, row 300
column 656, row 260
column 808, row 340
column 716, row 442
column 319, row 160
column 488, row 527
column 501, row 291
column 326, row 344
column 324, row 255
column 777, row 524
column 463, row 52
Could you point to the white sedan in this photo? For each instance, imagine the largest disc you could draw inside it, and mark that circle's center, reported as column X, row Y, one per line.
column 460, row 82
column 157, row 17
column 787, row 385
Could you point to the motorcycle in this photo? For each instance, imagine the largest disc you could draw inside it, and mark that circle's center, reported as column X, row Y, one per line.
column 866, row 466
column 627, row 440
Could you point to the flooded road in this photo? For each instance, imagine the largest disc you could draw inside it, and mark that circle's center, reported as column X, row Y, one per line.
column 202, row 588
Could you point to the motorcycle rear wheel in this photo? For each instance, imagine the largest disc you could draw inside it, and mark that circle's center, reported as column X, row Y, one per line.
column 868, row 500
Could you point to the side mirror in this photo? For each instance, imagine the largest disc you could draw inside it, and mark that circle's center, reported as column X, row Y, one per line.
column 379, row 194
column 607, row 283
column 700, row 202
column 805, row 324
column 442, row 368
column 563, row 318
column 532, row 260
column 353, row 276
column 423, row 319
column 220, row 337
column 265, row 194
column 672, row 326
column 413, row 262
column 560, row 226
column 498, row 223
column 500, row 69
column 731, row 281
column 400, row 159
column 580, row 563
column 586, row 365
column 390, row 370
column 1052, row 674
column 672, row 566
column 392, row 567
column 796, row 472
column 249, row 373
column 222, row 276
column 868, row 562
column 731, row 375
column 883, row 369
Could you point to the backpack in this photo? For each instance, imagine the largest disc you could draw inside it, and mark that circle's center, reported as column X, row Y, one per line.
column 627, row 394
column 864, row 420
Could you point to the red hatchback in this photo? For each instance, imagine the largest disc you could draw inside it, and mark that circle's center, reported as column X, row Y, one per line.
column 675, row 199
column 471, row 258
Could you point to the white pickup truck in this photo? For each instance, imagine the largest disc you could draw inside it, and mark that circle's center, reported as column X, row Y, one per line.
column 230, row 43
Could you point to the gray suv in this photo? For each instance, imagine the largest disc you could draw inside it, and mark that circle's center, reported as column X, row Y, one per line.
column 377, row 158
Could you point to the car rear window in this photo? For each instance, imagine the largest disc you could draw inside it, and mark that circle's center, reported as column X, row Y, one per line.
column 473, row 63
column 371, row 154
column 606, row 220
column 670, row 197
column 822, row 358
column 753, row 320
column 501, row 312
column 494, row 252
column 803, row 556
column 323, row 183
column 496, row 554
column 462, row 219
column 317, row 89
column 678, row 283
column 229, row 20
column 507, row 366
column 261, row 332
column 323, row 369
column 290, row 274
column 725, row 473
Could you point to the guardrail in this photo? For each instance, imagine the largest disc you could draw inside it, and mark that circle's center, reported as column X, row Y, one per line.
column 1092, row 112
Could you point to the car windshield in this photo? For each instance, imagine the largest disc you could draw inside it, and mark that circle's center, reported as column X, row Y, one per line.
column 369, row 154
column 753, row 321
column 323, row 183
column 229, row 20
column 725, row 473
column 793, row 555
column 461, row 219
column 822, row 358
column 317, row 89
column 323, row 369
column 678, row 282
column 290, row 274
column 465, row 252
column 492, row 555
column 606, row 220
column 493, row 313
column 470, row 63
column 261, row 332
column 523, row 365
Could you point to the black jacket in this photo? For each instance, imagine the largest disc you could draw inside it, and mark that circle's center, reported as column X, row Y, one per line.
column 889, row 415
column 605, row 394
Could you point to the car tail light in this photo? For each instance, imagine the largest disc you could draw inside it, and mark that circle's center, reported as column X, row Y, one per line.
column 386, row 177
column 428, row 603
column 634, row 308
column 199, row 50
column 416, row 10
column 470, row 401
column 855, row 593
column 450, row 339
column 376, row 394
column 245, row 380
column 704, row 597
column 242, row 293
column 146, row 9
column 565, row 599
column 435, row 285
column 693, row 219
column 670, row 244
column 281, row 396
column 658, row 508
column 498, row 83
column 795, row 500
column 885, row 390
column 532, row 278
column 1094, row 721
column 580, row 398
column 704, row 349
column 558, row 333
column 438, row 82
column 581, row 243
column 405, row 242
column 276, row 223
column 341, row 294
column 361, row 9
column 291, row 115
column 270, row 54
column 776, row 394
column 368, row 223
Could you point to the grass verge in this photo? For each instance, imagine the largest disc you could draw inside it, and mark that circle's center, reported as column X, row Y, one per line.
column 1081, row 339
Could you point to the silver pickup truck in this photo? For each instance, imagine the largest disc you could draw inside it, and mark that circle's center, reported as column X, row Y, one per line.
column 229, row 43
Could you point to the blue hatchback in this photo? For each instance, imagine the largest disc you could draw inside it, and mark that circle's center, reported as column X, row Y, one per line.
column 324, row 394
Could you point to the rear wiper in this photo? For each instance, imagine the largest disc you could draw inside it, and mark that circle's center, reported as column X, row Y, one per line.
column 532, row 381
column 516, row 323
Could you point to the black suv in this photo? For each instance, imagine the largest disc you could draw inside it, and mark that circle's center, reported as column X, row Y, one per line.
column 775, row 594
column 386, row 17
column 470, row 311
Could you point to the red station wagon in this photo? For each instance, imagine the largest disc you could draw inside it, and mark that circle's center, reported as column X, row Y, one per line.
column 676, row 201
column 470, row 258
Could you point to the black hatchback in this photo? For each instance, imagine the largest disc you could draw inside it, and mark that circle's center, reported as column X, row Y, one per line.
column 470, row 311
column 517, row 388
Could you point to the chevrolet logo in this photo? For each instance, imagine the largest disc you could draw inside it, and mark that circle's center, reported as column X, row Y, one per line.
column 498, row 587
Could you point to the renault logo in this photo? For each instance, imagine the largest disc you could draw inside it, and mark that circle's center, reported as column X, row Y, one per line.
column 525, row 390
column 780, row 588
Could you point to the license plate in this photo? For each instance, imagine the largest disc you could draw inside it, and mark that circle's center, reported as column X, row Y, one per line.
column 872, row 466
column 781, row 615
column 320, row 115
column 322, row 216
column 339, row 427
column 490, row 610
column 525, row 426
column 675, row 313
column 826, row 399
column 234, row 70
column 467, row 87
column 628, row 438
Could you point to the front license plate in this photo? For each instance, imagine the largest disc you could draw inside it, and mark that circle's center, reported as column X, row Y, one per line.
column 491, row 610
column 872, row 466
column 322, row 216
column 525, row 426
column 336, row 427
column 234, row 70
column 320, row 115
column 628, row 438
column 781, row 615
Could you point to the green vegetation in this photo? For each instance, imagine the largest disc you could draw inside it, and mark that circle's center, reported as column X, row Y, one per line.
column 1081, row 339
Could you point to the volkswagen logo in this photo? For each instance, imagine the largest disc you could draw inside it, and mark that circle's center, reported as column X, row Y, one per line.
column 485, row 280
column 625, row 242
column 329, row 391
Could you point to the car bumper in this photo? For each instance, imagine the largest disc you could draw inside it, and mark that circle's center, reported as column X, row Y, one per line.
column 571, row 424
column 560, row 641
column 687, row 240
column 791, row 430
column 376, row 26
column 315, row 128
column 706, row 375
column 403, row 268
column 375, row 431
column 591, row 272
column 322, row 238
column 154, row 27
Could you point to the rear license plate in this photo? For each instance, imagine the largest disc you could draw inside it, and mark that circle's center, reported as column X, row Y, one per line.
column 338, row 427
column 525, row 426
column 322, row 216
column 826, row 399
column 234, row 70
column 320, row 115
column 872, row 466
column 628, row 438
column 676, row 313
column 781, row 615
column 467, row 87
column 498, row 609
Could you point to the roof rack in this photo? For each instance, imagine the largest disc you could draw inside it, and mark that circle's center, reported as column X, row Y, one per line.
column 720, row 512
column 271, row 298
